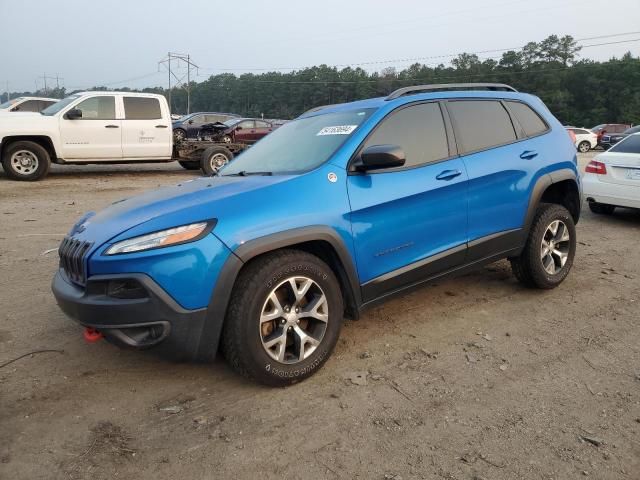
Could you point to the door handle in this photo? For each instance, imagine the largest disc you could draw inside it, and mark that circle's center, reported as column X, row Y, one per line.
column 111, row 126
column 528, row 155
column 448, row 174
column 161, row 126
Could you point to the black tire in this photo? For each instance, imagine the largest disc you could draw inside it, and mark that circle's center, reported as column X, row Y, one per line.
column 529, row 267
column 211, row 160
column 584, row 146
column 189, row 165
column 601, row 208
column 243, row 332
column 35, row 154
column 179, row 134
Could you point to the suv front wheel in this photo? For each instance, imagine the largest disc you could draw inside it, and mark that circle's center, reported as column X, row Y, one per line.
column 548, row 254
column 283, row 319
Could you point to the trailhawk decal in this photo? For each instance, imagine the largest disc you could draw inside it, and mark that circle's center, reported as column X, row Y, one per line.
column 337, row 130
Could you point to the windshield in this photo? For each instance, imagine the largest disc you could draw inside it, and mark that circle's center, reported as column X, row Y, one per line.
column 299, row 145
column 597, row 128
column 8, row 103
column 631, row 144
column 56, row 107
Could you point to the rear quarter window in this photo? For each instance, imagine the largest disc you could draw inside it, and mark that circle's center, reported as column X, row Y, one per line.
column 530, row 121
column 141, row 108
column 480, row 124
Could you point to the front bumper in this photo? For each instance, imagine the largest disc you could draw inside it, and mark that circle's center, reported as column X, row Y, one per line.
column 132, row 310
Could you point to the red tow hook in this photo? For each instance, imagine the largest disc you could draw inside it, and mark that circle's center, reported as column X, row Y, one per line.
column 91, row 335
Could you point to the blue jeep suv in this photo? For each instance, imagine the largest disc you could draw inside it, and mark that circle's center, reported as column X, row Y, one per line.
column 331, row 213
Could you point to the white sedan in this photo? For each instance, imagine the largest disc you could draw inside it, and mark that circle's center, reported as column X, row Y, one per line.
column 612, row 179
column 585, row 139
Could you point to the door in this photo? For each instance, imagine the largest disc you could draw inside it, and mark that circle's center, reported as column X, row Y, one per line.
column 245, row 131
column 145, row 133
column 193, row 125
column 501, row 165
column 96, row 135
column 409, row 223
column 262, row 129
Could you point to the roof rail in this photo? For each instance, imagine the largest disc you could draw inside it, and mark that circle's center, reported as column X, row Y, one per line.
column 443, row 87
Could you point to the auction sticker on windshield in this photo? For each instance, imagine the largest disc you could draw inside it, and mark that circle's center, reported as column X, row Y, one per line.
column 337, row 130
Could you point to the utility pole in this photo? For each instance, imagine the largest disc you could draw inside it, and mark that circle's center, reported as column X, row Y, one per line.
column 8, row 92
column 46, row 77
column 178, row 60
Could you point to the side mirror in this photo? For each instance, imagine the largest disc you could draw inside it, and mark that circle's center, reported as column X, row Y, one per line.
column 73, row 114
column 377, row 157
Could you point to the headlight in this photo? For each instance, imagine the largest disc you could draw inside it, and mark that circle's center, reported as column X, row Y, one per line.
column 163, row 238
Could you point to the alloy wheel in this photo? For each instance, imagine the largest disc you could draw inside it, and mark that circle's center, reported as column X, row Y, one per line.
column 293, row 320
column 554, row 248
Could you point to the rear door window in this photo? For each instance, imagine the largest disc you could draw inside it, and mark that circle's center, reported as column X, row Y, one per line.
column 480, row 124
column 141, row 108
column 418, row 129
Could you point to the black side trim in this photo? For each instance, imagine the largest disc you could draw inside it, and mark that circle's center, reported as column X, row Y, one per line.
column 534, row 200
column 413, row 274
column 498, row 242
column 455, row 271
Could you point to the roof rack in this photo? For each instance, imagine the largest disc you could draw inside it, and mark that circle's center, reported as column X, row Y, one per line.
column 443, row 87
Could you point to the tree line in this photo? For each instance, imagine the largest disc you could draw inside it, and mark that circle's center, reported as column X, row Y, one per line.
column 578, row 91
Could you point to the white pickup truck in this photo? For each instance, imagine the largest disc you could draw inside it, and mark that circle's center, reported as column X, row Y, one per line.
column 98, row 127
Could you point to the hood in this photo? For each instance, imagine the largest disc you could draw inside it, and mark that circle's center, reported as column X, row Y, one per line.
column 187, row 202
column 28, row 123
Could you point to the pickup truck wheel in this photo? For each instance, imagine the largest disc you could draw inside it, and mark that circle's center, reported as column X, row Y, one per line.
column 548, row 254
column 189, row 165
column 26, row 161
column 284, row 318
column 584, row 147
column 214, row 158
column 179, row 135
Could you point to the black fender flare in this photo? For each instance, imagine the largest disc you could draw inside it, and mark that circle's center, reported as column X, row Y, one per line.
column 217, row 309
column 541, row 185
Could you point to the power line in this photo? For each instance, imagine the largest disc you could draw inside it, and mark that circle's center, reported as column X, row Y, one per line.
column 431, row 57
column 178, row 59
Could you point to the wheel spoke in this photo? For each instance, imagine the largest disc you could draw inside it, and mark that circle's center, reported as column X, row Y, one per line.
column 277, row 311
column 561, row 256
column 553, row 228
column 316, row 309
column 564, row 235
column 302, row 341
column 280, row 341
column 300, row 291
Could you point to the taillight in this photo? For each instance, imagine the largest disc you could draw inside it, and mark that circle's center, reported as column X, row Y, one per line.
column 596, row 167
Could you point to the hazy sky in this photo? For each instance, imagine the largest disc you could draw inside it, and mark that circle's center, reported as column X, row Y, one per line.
column 118, row 43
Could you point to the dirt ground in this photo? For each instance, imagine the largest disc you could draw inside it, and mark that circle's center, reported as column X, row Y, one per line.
column 472, row 378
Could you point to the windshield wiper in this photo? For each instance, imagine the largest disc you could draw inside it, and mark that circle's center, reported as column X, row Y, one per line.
column 244, row 173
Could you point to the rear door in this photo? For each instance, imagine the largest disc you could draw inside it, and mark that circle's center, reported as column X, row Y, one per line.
column 146, row 132
column 501, row 169
column 262, row 129
column 409, row 223
column 97, row 135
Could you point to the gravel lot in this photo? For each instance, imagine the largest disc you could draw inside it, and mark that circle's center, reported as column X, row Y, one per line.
column 472, row 378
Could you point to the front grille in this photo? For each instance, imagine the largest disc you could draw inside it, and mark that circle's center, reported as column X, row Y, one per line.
column 72, row 254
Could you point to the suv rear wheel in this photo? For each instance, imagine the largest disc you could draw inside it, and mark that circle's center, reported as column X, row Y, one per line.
column 584, row 146
column 26, row 161
column 283, row 319
column 548, row 254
